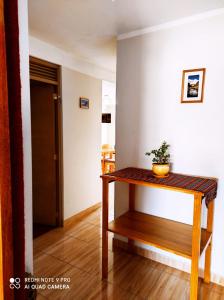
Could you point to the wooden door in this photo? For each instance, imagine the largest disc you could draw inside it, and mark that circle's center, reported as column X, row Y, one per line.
column 43, row 122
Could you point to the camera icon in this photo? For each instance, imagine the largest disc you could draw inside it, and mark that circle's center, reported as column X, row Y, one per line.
column 14, row 283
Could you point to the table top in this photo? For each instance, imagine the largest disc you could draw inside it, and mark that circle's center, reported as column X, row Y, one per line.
column 207, row 187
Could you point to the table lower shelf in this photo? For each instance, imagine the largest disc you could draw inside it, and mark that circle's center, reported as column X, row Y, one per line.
column 162, row 233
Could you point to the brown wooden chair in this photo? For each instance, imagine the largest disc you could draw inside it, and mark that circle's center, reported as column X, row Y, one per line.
column 109, row 165
column 107, row 158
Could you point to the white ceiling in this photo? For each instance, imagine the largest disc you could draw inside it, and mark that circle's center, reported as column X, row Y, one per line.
column 88, row 28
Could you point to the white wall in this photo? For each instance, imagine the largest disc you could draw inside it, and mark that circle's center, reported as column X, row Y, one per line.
column 25, row 96
column 149, row 71
column 81, row 142
column 39, row 48
column 108, row 106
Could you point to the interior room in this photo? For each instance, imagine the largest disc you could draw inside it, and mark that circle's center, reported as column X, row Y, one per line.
column 111, row 180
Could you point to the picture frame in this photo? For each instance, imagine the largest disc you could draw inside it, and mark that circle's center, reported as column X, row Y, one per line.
column 84, row 103
column 106, row 118
column 193, row 82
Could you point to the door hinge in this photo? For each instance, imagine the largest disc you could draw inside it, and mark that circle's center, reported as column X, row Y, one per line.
column 55, row 157
column 56, row 97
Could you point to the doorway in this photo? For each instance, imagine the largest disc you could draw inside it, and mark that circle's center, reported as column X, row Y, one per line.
column 46, row 146
column 108, row 134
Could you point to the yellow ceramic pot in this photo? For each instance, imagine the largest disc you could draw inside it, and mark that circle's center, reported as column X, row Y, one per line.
column 160, row 170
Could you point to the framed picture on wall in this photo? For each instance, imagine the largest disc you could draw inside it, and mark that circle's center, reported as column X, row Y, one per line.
column 193, row 86
column 84, row 103
column 106, row 118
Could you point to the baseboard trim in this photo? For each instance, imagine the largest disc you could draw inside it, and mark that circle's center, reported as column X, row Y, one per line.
column 158, row 257
column 82, row 214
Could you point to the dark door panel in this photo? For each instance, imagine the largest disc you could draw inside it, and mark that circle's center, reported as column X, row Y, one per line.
column 43, row 153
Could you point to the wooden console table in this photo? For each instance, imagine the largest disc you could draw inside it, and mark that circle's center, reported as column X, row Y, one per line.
column 179, row 238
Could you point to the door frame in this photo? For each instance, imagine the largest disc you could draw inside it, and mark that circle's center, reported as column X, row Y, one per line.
column 6, row 236
column 12, row 231
column 58, row 135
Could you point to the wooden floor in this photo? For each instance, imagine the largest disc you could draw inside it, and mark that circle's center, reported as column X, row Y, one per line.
column 75, row 252
column 39, row 229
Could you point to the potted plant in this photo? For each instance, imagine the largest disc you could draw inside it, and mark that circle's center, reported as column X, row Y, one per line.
column 161, row 160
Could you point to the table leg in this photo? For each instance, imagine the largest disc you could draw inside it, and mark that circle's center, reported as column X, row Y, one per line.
column 102, row 166
column 131, row 196
column 103, row 157
column 196, row 241
column 131, row 208
column 207, row 274
column 104, row 229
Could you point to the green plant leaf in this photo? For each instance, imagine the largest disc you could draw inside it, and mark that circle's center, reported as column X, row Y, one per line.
column 161, row 155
